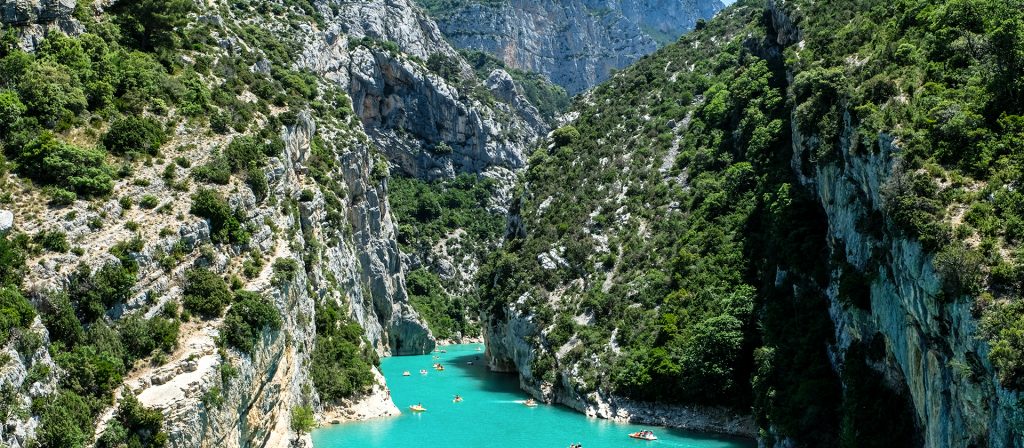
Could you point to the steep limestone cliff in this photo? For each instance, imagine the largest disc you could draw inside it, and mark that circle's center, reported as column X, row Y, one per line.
column 576, row 43
column 326, row 210
column 924, row 338
column 407, row 109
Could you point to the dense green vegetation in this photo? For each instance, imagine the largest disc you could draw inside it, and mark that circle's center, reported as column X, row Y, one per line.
column 687, row 243
column 134, row 135
column 134, row 426
column 248, row 318
column 15, row 311
column 454, row 212
column 944, row 78
column 446, row 314
column 682, row 255
column 77, row 117
column 342, row 358
column 225, row 223
column 206, row 293
column 96, row 354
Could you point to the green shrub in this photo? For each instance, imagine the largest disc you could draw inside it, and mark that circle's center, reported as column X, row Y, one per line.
column 247, row 319
column 52, row 240
column 285, row 270
column 50, row 161
column 60, row 197
column 565, row 135
column 142, row 337
column 51, row 93
column 12, row 261
column 11, row 110
column 93, row 293
column 58, row 314
column 220, row 123
column 244, row 152
column 216, row 171
column 224, row 223
column 15, row 311
column 443, row 148
column 134, row 425
column 134, row 135
column 149, row 201
column 341, row 360
column 960, row 270
column 256, row 179
column 152, row 24
column 205, row 293
column 65, row 421
column 93, row 370
column 302, row 419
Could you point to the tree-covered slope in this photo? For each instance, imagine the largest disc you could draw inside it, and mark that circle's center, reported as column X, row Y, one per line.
column 750, row 216
column 201, row 216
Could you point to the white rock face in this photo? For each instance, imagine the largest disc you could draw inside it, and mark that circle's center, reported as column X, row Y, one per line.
column 408, row 110
column 6, row 221
column 36, row 18
column 25, row 356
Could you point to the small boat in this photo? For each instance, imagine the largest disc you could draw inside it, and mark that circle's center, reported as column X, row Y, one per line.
column 423, row 371
column 469, row 363
column 444, row 351
column 457, row 399
column 439, row 368
column 417, row 408
column 644, row 435
column 530, row 403
column 406, row 373
column 479, row 349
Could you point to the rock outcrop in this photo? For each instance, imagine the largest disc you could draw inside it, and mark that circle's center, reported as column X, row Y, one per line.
column 28, row 373
column 923, row 337
column 576, row 43
column 36, row 18
column 408, row 110
column 509, row 350
column 6, row 221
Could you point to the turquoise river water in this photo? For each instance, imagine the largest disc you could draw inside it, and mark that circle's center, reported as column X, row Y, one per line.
column 491, row 414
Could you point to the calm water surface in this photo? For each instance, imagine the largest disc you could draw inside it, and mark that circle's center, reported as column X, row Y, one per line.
column 491, row 414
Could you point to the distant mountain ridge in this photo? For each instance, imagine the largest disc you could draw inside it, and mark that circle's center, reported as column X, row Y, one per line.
column 575, row 43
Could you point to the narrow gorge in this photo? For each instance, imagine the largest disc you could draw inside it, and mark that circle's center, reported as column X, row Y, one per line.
column 792, row 222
